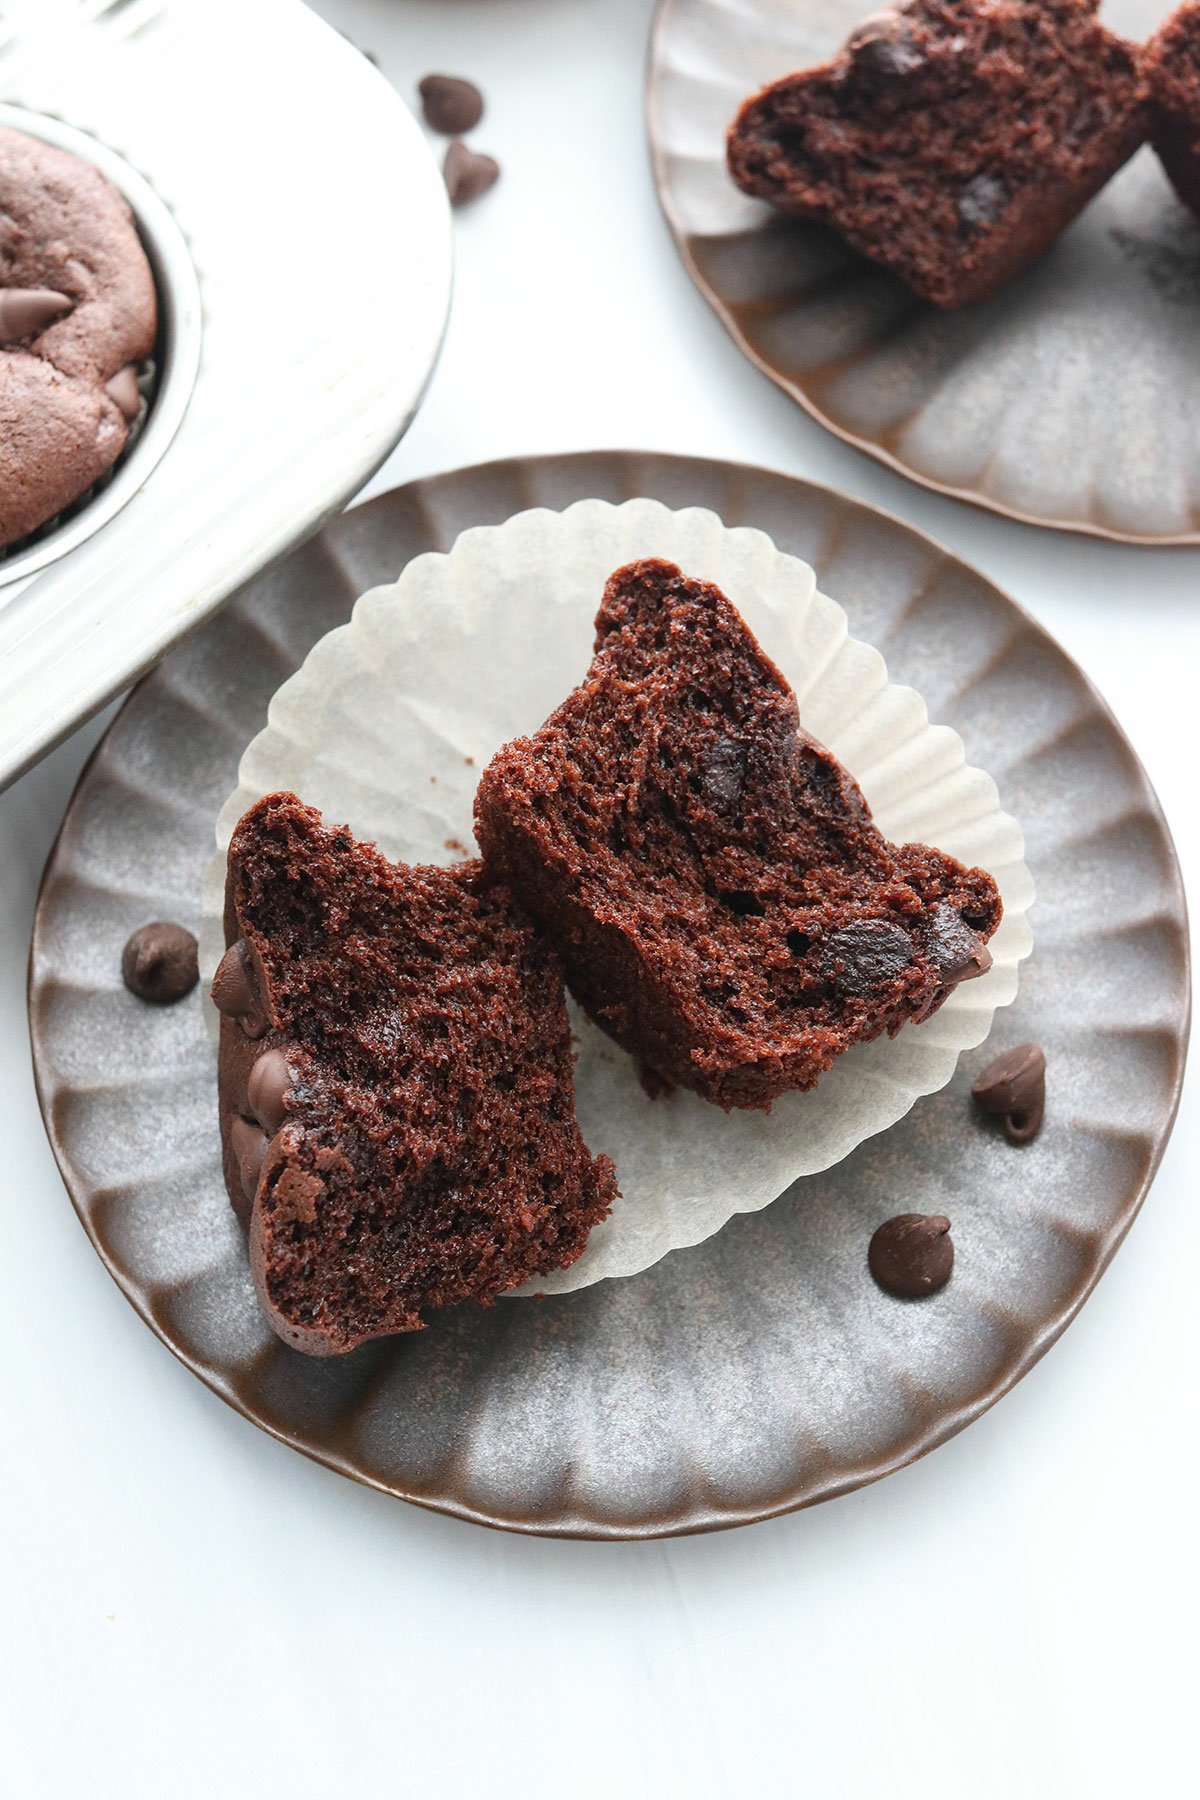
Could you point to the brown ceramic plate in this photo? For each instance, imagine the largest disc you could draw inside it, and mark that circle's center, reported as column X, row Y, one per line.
column 1068, row 400
column 763, row 1370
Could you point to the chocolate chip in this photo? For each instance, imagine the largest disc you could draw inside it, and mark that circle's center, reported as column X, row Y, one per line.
column 235, row 992
column 1013, row 1087
column 468, row 174
column 912, row 1255
column 864, row 956
column 723, row 773
column 248, row 1142
column 124, row 392
column 882, row 49
column 26, row 312
column 159, row 963
column 982, row 201
column 451, row 105
column 956, row 949
column 267, row 1089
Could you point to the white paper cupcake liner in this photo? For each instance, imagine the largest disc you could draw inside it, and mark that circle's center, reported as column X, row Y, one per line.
column 389, row 722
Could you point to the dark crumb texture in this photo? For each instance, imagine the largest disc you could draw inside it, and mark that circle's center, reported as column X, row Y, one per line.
column 722, row 901
column 950, row 140
column 397, row 1105
column 1173, row 59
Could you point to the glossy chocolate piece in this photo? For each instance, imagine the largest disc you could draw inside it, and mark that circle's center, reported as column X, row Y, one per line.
column 468, row 173
column 124, row 392
column 26, row 312
column 1013, row 1087
column 268, row 1088
column 159, row 963
column 911, row 1256
column 451, row 104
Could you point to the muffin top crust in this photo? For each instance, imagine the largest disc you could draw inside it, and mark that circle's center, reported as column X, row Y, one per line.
column 78, row 318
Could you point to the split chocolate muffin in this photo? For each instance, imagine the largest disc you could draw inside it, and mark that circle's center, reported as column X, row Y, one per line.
column 721, row 899
column 950, row 140
column 1173, row 60
column 396, row 1098
column 78, row 317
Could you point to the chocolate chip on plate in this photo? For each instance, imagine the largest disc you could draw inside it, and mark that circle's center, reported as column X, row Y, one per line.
column 912, row 1255
column 956, row 947
column 450, row 104
column 159, row 963
column 722, row 774
column 248, row 1141
column 1013, row 1087
column 468, row 173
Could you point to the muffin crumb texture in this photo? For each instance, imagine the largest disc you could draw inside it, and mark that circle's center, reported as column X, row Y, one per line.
column 396, row 1094
column 950, row 140
column 724, row 905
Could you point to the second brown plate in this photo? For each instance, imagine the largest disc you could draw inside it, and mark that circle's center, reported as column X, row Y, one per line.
column 762, row 1370
column 1069, row 400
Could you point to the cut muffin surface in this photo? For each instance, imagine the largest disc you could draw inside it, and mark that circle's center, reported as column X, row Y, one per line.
column 396, row 1093
column 722, row 901
column 950, row 140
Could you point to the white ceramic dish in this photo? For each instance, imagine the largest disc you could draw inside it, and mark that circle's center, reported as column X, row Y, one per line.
column 265, row 159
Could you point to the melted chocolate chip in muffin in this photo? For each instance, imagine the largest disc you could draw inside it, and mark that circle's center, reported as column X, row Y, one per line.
column 912, row 1256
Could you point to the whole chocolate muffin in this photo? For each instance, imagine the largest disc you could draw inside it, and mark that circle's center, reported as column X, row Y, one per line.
column 78, row 317
column 950, row 140
column 722, row 901
column 396, row 1099
column 1173, row 59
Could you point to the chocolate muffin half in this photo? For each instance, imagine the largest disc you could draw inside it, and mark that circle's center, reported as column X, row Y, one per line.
column 396, row 1098
column 1173, row 59
column 712, row 878
column 78, row 317
column 950, row 140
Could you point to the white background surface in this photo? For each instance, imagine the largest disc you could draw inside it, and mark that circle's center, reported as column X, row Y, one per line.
column 189, row 1609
